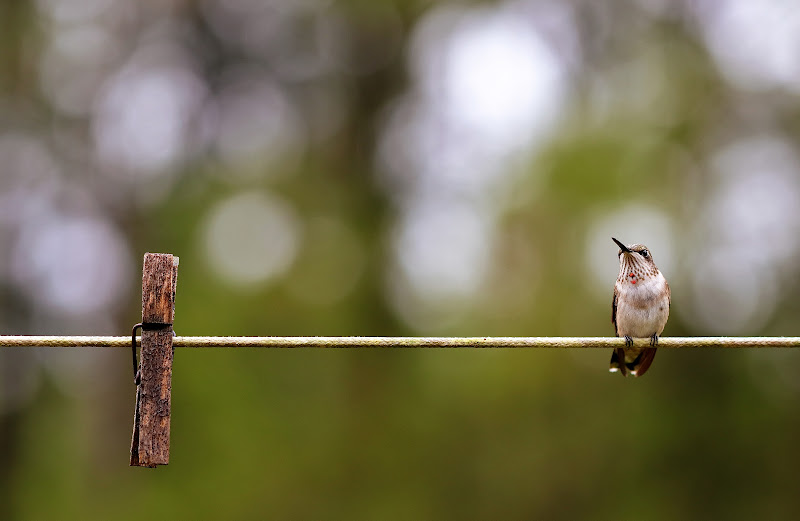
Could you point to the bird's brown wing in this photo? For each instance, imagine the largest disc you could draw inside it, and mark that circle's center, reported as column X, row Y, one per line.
column 614, row 312
column 669, row 295
column 617, row 355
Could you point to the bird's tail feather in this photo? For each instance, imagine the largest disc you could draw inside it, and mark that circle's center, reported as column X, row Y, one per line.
column 618, row 362
column 637, row 367
column 643, row 361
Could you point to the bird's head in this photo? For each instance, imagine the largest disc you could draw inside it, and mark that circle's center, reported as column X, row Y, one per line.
column 636, row 258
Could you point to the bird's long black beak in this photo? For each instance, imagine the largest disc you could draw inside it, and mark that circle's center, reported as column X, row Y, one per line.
column 622, row 246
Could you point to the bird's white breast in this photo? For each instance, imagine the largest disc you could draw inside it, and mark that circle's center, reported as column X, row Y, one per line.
column 642, row 308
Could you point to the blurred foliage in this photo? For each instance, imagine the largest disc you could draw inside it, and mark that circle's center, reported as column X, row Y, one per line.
column 648, row 120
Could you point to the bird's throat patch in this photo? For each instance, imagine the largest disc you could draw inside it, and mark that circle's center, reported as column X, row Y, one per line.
column 632, row 278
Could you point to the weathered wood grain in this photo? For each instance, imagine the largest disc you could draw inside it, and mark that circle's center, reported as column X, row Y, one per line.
column 150, row 443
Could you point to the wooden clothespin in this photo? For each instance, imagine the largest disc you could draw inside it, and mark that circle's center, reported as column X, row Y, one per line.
column 150, row 443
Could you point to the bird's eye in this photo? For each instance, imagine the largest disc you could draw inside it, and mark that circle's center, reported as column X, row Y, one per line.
column 644, row 253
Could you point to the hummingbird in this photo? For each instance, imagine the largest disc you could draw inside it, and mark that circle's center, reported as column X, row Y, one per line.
column 640, row 308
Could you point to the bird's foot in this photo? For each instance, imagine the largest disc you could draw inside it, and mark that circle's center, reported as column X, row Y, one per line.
column 628, row 341
column 654, row 340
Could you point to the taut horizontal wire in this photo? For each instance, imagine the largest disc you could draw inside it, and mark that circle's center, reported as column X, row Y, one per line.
column 392, row 342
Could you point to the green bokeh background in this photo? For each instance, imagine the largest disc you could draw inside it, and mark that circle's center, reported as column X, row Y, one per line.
column 418, row 434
